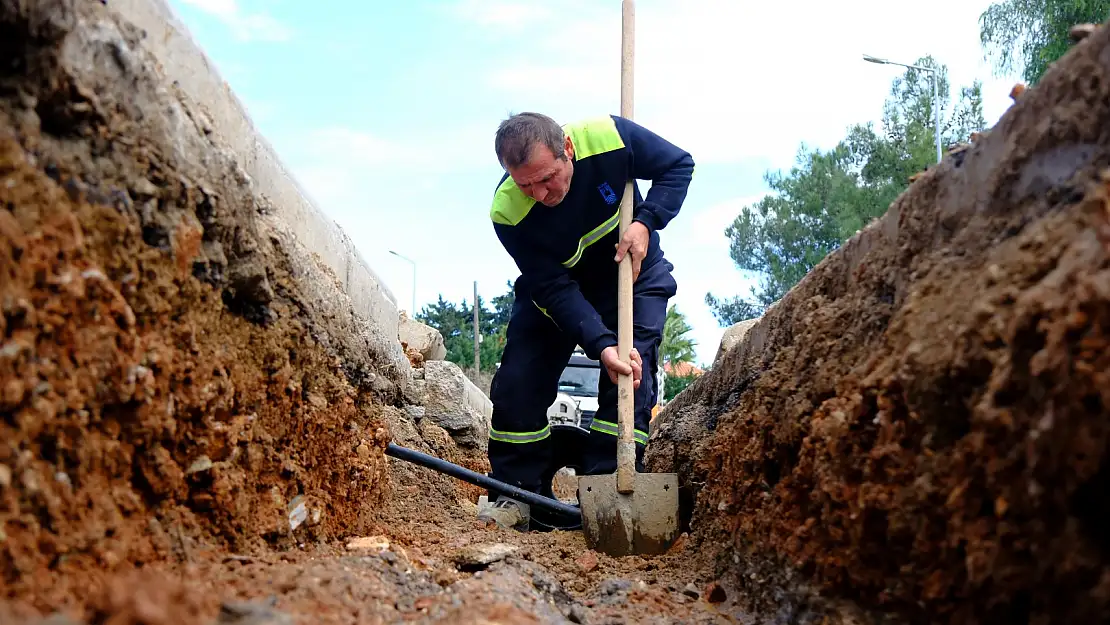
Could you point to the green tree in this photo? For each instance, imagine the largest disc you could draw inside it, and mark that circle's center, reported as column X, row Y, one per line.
column 674, row 384
column 1026, row 36
column 827, row 196
column 455, row 322
column 676, row 347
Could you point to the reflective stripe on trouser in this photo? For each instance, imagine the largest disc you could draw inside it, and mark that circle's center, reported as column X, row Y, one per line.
column 520, row 437
column 521, row 450
column 612, row 429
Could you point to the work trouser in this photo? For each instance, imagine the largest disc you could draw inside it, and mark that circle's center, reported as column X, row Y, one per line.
column 521, row 450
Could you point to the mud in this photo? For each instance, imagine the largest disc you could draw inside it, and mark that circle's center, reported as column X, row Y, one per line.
column 921, row 426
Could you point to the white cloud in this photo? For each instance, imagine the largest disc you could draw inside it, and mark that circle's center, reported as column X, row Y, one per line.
column 244, row 26
column 696, row 243
column 502, row 13
column 734, row 80
column 735, row 83
column 432, row 153
column 392, row 194
column 707, row 225
column 353, row 146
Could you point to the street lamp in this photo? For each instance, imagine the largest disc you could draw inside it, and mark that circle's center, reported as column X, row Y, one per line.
column 412, row 313
column 936, row 91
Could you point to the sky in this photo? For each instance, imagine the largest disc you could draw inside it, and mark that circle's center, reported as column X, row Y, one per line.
column 385, row 112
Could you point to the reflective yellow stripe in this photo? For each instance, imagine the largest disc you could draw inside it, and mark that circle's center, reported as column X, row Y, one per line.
column 594, row 136
column 520, row 437
column 593, row 236
column 510, row 205
column 590, row 137
column 606, row 427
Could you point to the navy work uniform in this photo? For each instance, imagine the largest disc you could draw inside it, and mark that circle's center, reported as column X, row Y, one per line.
column 566, row 295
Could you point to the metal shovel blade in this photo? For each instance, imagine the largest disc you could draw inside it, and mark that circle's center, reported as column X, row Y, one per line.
column 642, row 522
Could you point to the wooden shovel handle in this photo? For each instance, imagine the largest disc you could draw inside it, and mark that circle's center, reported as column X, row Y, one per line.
column 626, row 442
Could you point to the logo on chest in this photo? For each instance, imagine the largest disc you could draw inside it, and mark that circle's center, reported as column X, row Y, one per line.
column 607, row 193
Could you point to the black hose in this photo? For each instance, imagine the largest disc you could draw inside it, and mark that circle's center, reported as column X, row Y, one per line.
column 484, row 481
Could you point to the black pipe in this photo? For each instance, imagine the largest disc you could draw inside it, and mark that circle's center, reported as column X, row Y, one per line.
column 484, row 481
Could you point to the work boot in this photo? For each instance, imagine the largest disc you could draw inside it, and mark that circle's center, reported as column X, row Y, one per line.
column 507, row 513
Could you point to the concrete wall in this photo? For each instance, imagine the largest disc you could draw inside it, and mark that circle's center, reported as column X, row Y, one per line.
column 305, row 230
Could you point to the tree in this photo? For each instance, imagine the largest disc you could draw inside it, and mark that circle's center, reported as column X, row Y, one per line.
column 828, row 196
column 675, row 384
column 676, row 347
column 456, row 324
column 1025, row 36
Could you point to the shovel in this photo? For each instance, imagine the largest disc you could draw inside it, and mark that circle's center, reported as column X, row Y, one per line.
column 628, row 512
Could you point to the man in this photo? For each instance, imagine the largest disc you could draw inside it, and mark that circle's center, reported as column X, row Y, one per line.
column 556, row 212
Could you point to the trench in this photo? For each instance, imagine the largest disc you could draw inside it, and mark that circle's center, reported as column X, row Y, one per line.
column 916, row 433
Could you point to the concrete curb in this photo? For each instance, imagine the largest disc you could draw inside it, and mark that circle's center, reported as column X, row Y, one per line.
column 318, row 242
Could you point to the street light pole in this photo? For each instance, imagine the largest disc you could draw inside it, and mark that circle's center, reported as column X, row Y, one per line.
column 412, row 313
column 936, row 89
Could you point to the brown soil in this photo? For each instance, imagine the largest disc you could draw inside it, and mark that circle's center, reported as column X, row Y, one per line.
column 923, row 424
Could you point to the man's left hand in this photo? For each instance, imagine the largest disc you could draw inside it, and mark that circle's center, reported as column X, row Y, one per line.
column 635, row 241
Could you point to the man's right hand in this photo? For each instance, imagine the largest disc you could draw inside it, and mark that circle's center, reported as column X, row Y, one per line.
column 616, row 367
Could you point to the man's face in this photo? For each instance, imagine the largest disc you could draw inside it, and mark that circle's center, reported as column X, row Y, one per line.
column 545, row 178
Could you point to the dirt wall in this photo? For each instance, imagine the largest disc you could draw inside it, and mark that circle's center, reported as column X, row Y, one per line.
column 923, row 423
column 353, row 312
column 164, row 386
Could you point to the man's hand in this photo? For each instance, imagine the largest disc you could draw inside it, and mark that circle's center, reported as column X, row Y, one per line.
column 615, row 367
column 635, row 241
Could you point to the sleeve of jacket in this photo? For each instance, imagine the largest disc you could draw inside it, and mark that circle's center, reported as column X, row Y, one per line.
column 668, row 167
column 556, row 294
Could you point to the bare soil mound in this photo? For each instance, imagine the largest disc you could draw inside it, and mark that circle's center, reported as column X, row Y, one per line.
column 923, row 424
column 151, row 375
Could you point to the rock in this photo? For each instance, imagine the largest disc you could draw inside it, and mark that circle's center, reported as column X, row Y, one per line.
column 252, row 613
column 614, row 592
column 455, row 404
column 202, row 463
column 587, row 562
column 614, row 586
column 298, row 512
column 415, row 413
column 417, row 392
column 426, row 340
column 370, row 543
column 691, row 591
column 482, row 555
column 733, row 335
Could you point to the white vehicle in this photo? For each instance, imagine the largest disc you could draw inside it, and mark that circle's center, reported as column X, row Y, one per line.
column 576, row 402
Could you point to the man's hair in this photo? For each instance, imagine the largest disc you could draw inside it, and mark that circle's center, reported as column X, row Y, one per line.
column 518, row 135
